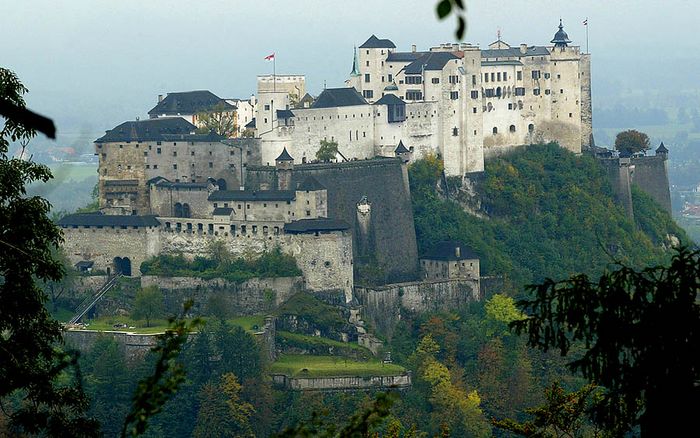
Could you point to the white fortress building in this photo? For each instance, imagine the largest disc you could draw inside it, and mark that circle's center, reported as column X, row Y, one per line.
column 456, row 100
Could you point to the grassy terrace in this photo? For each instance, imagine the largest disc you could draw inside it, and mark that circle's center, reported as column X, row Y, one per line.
column 158, row 325
column 324, row 366
column 318, row 341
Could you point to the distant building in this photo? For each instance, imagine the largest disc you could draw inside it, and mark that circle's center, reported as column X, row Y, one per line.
column 450, row 259
column 189, row 104
column 455, row 100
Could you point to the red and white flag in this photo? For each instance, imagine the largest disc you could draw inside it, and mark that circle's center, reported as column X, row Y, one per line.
column 585, row 22
column 270, row 57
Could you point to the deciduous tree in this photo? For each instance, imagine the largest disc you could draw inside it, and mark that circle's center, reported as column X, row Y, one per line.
column 327, row 151
column 148, row 304
column 632, row 141
column 219, row 120
column 33, row 397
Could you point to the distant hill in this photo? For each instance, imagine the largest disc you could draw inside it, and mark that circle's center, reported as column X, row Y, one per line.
column 539, row 212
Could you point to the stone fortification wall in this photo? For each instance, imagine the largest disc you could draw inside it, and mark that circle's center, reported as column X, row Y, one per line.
column 346, row 383
column 325, row 260
column 133, row 346
column 388, row 238
column 651, row 175
column 252, row 297
column 382, row 307
column 102, row 245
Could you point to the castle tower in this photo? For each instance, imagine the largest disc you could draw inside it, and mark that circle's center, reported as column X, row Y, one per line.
column 311, row 200
column 662, row 151
column 284, row 165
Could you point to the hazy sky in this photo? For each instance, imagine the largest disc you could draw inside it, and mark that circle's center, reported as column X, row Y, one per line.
column 92, row 64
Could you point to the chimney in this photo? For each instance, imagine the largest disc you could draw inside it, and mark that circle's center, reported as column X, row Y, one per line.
column 160, row 98
column 523, row 48
column 413, row 48
column 458, row 251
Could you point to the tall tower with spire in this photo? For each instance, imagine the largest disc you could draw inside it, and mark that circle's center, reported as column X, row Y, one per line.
column 561, row 39
column 355, row 76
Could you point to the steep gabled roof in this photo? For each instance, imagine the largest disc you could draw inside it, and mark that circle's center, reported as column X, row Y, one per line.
column 335, row 97
column 313, row 225
column 375, row 43
column 662, row 148
column 252, row 195
column 514, row 52
column 404, row 56
column 188, row 102
column 211, row 137
column 390, row 99
column 99, row 219
column 310, row 184
column 284, row 114
column 147, row 130
column 429, row 61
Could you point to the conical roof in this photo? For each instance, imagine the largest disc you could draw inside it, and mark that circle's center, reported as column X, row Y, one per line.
column 561, row 39
column 401, row 149
column 662, row 148
column 284, row 156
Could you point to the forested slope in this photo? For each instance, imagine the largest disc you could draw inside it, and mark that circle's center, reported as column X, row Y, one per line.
column 543, row 212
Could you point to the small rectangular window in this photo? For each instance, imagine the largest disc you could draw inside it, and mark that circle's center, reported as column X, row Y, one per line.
column 366, row 77
column 435, row 80
column 158, row 150
column 519, row 75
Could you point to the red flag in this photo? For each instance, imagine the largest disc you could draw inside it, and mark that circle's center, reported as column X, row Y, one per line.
column 270, row 57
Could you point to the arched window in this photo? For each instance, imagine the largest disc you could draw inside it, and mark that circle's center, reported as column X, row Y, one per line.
column 512, row 128
column 455, row 132
column 178, row 209
column 530, row 128
column 185, row 210
column 498, row 92
column 495, row 130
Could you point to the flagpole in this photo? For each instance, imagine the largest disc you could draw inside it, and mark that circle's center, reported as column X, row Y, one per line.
column 587, row 49
column 274, row 67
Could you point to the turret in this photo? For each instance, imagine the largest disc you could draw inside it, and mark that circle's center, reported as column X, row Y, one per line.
column 284, row 165
column 662, row 151
column 561, row 39
column 402, row 152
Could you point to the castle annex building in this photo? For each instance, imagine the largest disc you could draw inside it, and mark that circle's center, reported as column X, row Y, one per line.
column 457, row 100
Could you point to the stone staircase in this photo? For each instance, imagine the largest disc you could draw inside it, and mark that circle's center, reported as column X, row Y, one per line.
column 89, row 302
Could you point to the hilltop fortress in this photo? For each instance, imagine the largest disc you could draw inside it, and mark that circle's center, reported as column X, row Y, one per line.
column 167, row 186
column 455, row 100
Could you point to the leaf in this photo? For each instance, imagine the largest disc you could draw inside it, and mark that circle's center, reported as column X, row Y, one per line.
column 459, row 4
column 444, row 8
column 461, row 25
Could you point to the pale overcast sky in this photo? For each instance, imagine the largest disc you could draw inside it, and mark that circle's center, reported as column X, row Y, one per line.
column 92, row 64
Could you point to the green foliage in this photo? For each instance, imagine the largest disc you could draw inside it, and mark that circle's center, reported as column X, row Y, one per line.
column 156, row 389
column 563, row 414
column 40, row 389
column 219, row 120
column 304, row 365
column 148, row 304
column 631, row 141
column 222, row 413
column 320, row 346
column 221, row 264
column 655, row 222
column 327, row 151
column 640, row 331
column 550, row 214
column 313, row 310
column 456, row 7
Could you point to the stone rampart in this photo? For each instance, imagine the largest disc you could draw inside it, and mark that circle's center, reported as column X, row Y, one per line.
column 252, row 297
column 383, row 306
column 132, row 345
column 342, row 383
column 389, row 239
column 651, row 175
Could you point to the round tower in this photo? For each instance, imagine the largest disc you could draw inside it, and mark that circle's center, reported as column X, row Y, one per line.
column 284, row 166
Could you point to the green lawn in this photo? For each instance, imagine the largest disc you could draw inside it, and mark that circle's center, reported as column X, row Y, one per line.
column 319, row 341
column 158, row 325
column 319, row 366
